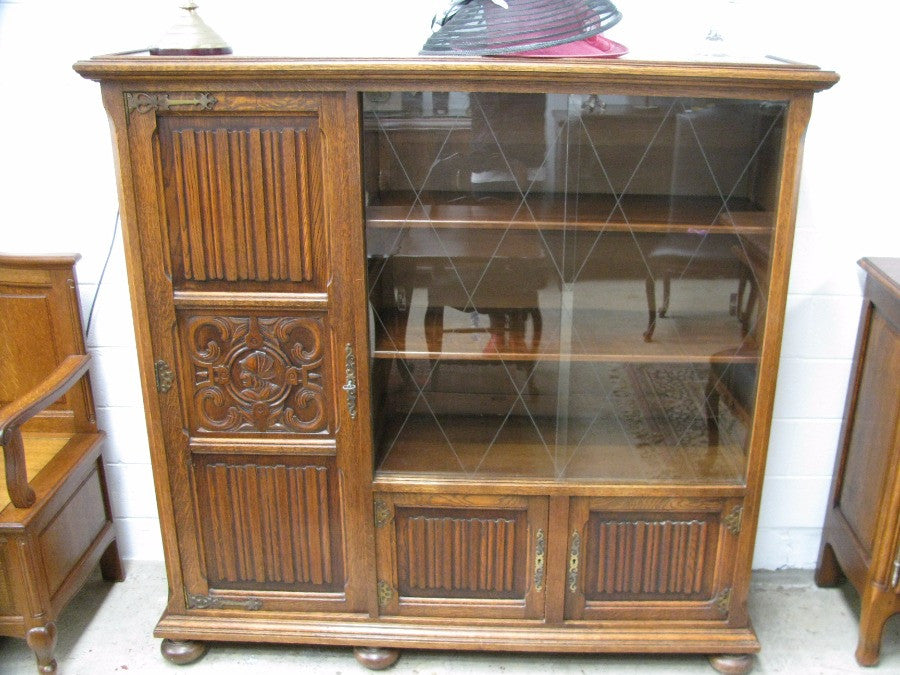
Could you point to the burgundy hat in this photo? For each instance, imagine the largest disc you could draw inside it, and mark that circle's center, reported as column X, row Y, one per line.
column 516, row 26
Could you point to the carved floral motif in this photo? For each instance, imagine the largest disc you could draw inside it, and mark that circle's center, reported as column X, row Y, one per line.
column 258, row 374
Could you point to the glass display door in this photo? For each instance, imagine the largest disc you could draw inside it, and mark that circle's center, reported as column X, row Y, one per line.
column 567, row 287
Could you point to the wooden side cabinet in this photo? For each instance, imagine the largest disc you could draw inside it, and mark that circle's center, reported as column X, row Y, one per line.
column 861, row 538
column 407, row 378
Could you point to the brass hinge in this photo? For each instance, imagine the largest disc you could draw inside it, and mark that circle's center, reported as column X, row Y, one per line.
column 350, row 385
column 218, row 602
column 574, row 555
column 733, row 520
column 385, row 594
column 164, row 376
column 383, row 513
column 144, row 102
column 722, row 601
column 540, row 552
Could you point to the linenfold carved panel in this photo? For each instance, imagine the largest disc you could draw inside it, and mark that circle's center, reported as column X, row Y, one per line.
column 270, row 525
column 634, row 559
column 258, row 374
column 460, row 555
column 243, row 200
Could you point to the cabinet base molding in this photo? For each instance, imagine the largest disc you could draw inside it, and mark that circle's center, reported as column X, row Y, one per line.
column 732, row 664
column 658, row 638
column 183, row 652
column 376, row 658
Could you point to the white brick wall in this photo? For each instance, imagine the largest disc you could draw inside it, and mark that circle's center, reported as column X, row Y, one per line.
column 57, row 194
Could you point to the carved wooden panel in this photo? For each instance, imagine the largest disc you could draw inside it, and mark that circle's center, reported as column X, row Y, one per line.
column 640, row 557
column 651, row 558
column 243, row 198
column 258, row 374
column 270, row 523
column 462, row 553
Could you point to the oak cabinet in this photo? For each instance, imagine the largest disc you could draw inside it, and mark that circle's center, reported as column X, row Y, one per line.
column 861, row 536
column 487, row 364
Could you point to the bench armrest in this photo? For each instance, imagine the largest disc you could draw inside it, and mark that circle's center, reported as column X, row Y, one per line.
column 16, row 413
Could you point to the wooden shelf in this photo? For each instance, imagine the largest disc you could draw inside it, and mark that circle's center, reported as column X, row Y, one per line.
column 588, row 212
column 612, row 335
column 478, row 448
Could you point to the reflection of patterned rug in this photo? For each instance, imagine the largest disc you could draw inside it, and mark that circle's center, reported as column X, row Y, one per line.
column 647, row 404
column 663, row 404
column 620, row 422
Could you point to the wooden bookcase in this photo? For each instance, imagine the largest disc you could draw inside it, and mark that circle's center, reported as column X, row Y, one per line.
column 483, row 364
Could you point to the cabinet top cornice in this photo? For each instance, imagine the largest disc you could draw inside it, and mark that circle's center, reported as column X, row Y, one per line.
column 478, row 72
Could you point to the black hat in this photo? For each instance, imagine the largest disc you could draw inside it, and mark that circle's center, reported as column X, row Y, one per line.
column 509, row 26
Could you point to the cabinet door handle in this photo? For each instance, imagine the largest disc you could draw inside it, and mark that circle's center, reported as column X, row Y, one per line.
column 540, row 553
column 574, row 558
column 164, row 376
column 350, row 384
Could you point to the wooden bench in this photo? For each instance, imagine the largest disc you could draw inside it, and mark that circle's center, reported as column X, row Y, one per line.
column 55, row 520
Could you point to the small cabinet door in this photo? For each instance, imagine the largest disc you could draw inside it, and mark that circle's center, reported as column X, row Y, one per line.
column 651, row 559
column 461, row 555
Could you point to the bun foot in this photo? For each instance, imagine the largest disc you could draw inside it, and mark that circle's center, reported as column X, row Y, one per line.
column 183, row 652
column 376, row 658
column 732, row 664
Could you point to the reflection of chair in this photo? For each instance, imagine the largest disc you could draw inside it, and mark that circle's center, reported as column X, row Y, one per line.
column 507, row 293
column 730, row 380
column 697, row 257
column 713, row 151
column 55, row 523
column 735, row 385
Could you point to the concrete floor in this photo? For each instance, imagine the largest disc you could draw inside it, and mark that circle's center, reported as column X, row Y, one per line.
column 108, row 628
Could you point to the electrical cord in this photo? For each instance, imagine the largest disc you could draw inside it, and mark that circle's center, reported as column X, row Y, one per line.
column 87, row 330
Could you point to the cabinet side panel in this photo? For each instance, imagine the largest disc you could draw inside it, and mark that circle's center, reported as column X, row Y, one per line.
column 871, row 438
column 72, row 531
column 7, row 600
